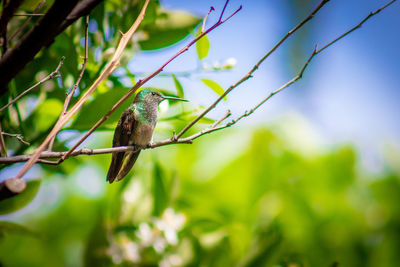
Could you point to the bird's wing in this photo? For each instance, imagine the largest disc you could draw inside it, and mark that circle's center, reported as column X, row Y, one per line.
column 122, row 135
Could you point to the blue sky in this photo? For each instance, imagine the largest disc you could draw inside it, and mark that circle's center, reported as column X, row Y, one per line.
column 349, row 92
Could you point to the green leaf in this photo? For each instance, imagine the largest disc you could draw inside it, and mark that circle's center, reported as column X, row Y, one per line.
column 178, row 85
column 47, row 113
column 170, row 27
column 202, row 46
column 19, row 201
column 214, row 86
column 159, row 191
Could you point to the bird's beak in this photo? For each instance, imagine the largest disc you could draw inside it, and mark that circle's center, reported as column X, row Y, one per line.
column 174, row 98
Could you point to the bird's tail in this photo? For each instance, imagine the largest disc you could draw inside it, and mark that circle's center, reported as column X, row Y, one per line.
column 121, row 164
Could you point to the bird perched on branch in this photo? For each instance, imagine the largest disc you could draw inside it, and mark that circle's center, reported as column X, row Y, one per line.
column 135, row 128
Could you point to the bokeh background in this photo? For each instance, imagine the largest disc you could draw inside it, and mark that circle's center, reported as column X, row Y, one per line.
column 309, row 179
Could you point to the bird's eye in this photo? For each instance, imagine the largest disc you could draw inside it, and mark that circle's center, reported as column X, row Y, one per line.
column 153, row 93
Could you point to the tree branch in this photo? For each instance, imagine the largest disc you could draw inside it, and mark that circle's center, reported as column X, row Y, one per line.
column 18, row 136
column 3, row 149
column 111, row 66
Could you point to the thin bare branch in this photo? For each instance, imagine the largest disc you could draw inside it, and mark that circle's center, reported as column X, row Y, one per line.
column 223, row 11
column 315, row 52
column 371, row 14
column 205, row 19
column 249, row 74
column 3, row 148
column 18, row 136
column 216, row 123
column 70, row 94
column 29, row 15
column 52, row 75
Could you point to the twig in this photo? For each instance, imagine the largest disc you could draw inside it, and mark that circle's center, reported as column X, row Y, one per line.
column 315, row 52
column 227, row 114
column 371, row 14
column 111, row 66
column 141, row 82
column 18, row 136
column 3, row 149
column 52, row 75
column 249, row 74
column 29, row 15
column 38, row 7
column 70, row 94
column 205, row 18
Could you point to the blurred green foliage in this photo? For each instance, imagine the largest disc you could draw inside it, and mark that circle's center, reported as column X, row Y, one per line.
column 234, row 198
column 266, row 205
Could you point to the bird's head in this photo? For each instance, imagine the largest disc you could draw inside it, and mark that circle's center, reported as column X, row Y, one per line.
column 151, row 97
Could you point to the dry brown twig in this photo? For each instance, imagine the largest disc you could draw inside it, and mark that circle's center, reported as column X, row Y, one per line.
column 29, row 15
column 3, row 149
column 18, row 136
column 176, row 139
column 70, row 94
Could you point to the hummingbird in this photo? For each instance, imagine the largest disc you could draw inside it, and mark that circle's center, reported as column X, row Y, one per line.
column 135, row 128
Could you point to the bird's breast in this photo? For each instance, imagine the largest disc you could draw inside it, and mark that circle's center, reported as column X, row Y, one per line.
column 142, row 134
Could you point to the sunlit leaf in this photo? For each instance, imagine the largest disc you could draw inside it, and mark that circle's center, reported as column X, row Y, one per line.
column 214, row 86
column 178, row 86
column 202, row 45
column 170, row 27
column 21, row 200
column 47, row 113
